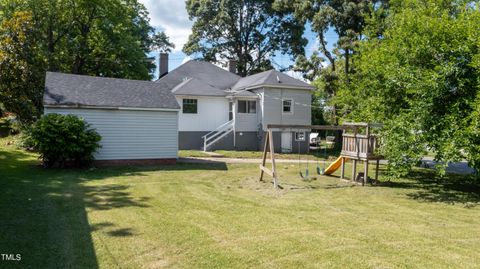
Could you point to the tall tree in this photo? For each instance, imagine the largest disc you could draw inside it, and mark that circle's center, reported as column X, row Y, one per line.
column 19, row 91
column 92, row 37
column 161, row 43
column 422, row 79
column 248, row 31
column 347, row 18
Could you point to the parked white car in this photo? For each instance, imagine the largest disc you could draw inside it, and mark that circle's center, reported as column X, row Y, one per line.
column 313, row 139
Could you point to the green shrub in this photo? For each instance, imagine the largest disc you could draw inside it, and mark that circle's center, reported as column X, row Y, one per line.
column 64, row 140
column 4, row 127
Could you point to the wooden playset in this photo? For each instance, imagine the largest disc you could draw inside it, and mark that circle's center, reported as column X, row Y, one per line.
column 358, row 144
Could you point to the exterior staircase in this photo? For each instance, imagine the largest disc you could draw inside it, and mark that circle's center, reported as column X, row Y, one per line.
column 219, row 133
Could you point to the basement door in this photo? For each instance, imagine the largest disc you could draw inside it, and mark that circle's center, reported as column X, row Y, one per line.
column 286, row 142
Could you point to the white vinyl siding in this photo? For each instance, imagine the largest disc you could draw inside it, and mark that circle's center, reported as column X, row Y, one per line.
column 131, row 134
column 211, row 113
column 272, row 106
column 246, row 122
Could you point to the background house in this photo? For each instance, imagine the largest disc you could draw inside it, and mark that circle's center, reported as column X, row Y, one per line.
column 196, row 106
column 221, row 110
column 138, row 120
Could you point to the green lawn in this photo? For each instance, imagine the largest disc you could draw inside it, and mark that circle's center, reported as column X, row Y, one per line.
column 220, row 216
column 192, row 153
column 330, row 154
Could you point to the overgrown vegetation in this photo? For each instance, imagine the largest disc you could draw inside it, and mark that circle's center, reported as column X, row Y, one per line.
column 102, row 38
column 412, row 65
column 421, row 77
column 64, row 140
column 330, row 65
column 250, row 32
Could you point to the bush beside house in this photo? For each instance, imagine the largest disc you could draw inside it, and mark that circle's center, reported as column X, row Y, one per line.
column 64, row 140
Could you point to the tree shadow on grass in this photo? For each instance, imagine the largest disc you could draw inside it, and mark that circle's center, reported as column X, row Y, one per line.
column 42, row 216
column 43, row 213
column 144, row 170
column 111, row 196
column 429, row 187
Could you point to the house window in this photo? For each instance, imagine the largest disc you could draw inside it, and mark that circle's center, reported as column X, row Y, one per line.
column 300, row 136
column 287, row 106
column 247, row 107
column 190, row 106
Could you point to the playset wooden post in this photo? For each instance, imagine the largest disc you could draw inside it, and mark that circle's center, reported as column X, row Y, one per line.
column 356, row 146
column 263, row 169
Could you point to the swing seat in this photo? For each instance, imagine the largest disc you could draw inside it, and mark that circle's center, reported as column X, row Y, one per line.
column 320, row 171
column 306, row 175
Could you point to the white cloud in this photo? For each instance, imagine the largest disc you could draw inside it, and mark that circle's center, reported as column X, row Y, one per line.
column 171, row 17
column 312, row 46
column 297, row 75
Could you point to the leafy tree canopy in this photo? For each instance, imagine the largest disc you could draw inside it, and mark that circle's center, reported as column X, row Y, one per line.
column 347, row 19
column 421, row 77
column 248, row 31
column 19, row 91
column 93, row 37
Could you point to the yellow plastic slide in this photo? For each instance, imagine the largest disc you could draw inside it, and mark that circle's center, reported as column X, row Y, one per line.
column 334, row 166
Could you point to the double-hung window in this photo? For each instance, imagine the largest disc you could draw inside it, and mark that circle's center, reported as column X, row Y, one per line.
column 299, row 136
column 189, row 106
column 249, row 107
column 287, row 106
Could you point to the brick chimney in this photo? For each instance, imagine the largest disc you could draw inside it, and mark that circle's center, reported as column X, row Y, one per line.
column 163, row 64
column 232, row 66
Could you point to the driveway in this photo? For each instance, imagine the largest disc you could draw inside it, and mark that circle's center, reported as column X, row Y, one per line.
column 455, row 168
column 235, row 160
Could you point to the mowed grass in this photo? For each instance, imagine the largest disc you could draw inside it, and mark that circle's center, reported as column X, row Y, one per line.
column 319, row 154
column 221, row 216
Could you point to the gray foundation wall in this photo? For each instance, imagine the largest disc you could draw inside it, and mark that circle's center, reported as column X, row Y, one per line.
column 194, row 140
column 302, row 146
column 247, row 141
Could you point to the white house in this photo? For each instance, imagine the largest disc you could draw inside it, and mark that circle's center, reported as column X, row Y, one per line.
column 221, row 110
column 138, row 120
column 196, row 106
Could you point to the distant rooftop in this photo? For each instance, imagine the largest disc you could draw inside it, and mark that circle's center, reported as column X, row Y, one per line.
column 270, row 78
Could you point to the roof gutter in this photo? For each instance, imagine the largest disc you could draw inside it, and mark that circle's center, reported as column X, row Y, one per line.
column 242, row 97
column 199, row 96
column 311, row 88
column 112, row 108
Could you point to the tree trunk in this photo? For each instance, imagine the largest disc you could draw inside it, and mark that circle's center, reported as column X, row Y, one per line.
column 335, row 118
column 325, row 51
column 347, row 63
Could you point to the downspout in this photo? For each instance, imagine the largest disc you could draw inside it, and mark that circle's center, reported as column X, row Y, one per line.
column 234, row 123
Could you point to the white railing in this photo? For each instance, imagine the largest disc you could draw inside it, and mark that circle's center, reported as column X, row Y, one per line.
column 217, row 134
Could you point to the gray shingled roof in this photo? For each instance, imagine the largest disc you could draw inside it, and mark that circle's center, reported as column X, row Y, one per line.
column 204, row 71
column 78, row 90
column 270, row 77
column 196, row 87
column 198, row 78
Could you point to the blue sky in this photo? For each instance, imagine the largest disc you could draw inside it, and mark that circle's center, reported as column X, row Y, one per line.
column 171, row 16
